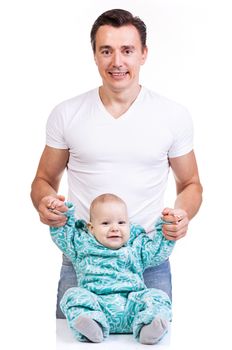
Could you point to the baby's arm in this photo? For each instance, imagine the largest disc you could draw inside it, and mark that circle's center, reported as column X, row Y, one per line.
column 63, row 236
column 158, row 249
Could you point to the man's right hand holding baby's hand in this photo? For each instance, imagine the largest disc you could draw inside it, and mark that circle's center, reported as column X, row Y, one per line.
column 51, row 210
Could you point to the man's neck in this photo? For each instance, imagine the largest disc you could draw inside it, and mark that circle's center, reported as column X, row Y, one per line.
column 118, row 102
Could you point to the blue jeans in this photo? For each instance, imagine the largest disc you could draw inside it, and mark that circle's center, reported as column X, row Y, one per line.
column 154, row 277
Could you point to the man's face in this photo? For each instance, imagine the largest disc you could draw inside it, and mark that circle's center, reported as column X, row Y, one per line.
column 119, row 55
column 110, row 224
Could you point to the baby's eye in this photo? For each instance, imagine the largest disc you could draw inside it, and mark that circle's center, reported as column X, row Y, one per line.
column 105, row 223
column 122, row 222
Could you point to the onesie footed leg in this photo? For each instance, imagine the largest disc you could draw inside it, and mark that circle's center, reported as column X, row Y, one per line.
column 89, row 328
column 153, row 332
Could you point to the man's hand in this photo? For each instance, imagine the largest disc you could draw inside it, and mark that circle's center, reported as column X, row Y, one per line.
column 51, row 210
column 178, row 223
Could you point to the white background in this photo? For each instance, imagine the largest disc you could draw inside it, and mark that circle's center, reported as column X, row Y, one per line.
column 45, row 58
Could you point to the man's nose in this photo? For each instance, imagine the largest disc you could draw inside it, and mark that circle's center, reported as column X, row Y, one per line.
column 117, row 59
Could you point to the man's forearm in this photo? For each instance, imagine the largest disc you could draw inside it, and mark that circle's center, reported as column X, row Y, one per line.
column 189, row 199
column 39, row 189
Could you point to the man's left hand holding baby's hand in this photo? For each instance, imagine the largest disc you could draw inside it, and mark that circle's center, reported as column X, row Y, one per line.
column 177, row 223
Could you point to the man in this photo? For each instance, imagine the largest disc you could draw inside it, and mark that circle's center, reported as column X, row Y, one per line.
column 121, row 139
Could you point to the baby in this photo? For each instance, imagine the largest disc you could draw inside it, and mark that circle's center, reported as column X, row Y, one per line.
column 109, row 256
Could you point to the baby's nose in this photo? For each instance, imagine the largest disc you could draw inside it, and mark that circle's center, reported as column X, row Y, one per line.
column 114, row 227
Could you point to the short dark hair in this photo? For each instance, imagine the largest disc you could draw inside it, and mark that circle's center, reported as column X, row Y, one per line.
column 118, row 18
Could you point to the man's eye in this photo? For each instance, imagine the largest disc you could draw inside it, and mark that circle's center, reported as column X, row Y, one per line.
column 105, row 52
column 128, row 52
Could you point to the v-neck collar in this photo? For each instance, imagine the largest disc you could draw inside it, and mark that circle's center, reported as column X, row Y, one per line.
column 125, row 114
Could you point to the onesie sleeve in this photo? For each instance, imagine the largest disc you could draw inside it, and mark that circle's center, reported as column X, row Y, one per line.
column 156, row 250
column 66, row 236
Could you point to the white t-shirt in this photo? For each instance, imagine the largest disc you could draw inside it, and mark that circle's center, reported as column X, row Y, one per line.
column 127, row 156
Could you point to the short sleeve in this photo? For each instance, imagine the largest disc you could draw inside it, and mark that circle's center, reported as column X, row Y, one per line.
column 183, row 134
column 55, row 128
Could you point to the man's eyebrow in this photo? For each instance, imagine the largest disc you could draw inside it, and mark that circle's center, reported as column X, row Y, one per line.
column 128, row 47
column 105, row 47
column 124, row 47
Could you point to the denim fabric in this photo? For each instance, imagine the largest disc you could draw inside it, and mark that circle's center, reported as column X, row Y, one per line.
column 155, row 277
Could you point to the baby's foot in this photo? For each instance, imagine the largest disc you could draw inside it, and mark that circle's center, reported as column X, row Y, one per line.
column 89, row 328
column 152, row 333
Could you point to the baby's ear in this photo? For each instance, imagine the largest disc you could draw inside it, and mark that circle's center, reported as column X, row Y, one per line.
column 90, row 226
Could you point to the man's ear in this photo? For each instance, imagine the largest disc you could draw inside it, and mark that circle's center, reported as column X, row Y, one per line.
column 144, row 55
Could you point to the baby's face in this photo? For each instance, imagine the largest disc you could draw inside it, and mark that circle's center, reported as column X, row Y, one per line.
column 110, row 224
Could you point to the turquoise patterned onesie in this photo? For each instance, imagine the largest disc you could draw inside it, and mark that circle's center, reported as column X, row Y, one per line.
column 110, row 288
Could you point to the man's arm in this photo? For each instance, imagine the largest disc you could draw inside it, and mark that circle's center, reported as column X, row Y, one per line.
column 189, row 195
column 46, row 183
